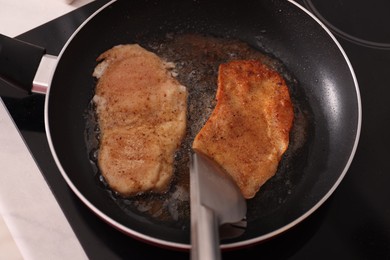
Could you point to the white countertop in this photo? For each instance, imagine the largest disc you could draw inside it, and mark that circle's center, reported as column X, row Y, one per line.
column 37, row 227
column 17, row 17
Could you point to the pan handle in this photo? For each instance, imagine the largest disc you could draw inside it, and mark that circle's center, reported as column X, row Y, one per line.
column 19, row 63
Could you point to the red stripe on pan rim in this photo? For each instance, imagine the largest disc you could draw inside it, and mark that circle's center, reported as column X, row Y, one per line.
column 182, row 246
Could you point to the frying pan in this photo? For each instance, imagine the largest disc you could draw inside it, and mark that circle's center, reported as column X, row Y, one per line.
column 322, row 85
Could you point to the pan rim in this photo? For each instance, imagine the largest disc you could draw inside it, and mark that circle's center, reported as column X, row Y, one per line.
column 177, row 245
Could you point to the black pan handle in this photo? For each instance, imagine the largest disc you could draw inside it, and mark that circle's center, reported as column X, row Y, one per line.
column 19, row 62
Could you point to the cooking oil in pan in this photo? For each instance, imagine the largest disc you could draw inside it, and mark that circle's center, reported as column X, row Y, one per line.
column 196, row 60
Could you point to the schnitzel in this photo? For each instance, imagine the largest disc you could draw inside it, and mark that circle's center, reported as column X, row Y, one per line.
column 248, row 131
column 141, row 110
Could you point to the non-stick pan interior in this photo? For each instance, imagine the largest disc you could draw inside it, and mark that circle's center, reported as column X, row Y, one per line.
column 321, row 82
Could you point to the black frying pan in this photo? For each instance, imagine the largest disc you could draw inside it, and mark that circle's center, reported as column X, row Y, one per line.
column 321, row 81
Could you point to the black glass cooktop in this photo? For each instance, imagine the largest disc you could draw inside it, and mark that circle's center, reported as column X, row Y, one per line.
column 353, row 224
column 361, row 22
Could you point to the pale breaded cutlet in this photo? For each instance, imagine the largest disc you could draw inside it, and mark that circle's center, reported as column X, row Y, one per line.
column 141, row 111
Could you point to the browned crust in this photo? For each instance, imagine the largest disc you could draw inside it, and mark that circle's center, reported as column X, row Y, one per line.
column 248, row 131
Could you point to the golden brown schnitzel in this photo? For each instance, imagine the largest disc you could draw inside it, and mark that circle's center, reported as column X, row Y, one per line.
column 248, row 131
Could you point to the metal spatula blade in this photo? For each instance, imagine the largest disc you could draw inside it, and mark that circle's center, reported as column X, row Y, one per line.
column 215, row 200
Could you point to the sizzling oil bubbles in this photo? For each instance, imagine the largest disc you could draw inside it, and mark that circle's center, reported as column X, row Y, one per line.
column 196, row 60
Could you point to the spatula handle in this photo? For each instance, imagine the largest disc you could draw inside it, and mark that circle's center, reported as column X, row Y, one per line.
column 205, row 241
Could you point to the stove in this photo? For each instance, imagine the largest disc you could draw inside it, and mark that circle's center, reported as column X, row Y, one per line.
column 353, row 223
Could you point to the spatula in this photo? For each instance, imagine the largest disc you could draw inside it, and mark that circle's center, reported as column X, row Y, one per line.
column 215, row 200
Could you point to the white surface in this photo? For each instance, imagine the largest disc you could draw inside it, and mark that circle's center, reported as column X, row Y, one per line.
column 38, row 228
column 8, row 248
column 19, row 16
